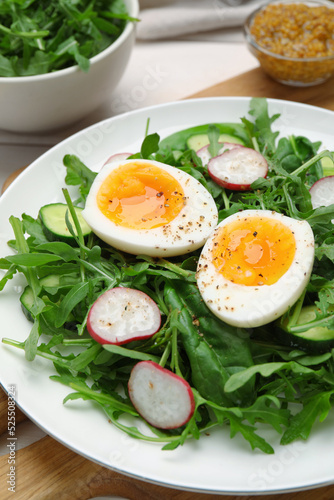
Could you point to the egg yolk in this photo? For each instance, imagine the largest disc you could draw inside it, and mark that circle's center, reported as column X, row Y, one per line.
column 140, row 196
column 254, row 251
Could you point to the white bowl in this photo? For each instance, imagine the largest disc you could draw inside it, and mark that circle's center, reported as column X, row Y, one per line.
column 295, row 71
column 41, row 103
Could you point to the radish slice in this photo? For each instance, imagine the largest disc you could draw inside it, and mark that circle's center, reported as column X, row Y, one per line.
column 205, row 156
column 117, row 157
column 162, row 398
column 122, row 315
column 237, row 168
column 322, row 192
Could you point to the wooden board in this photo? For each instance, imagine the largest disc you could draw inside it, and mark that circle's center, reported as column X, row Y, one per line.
column 47, row 470
column 255, row 83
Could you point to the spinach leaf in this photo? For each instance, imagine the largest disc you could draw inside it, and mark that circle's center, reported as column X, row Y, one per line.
column 213, row 348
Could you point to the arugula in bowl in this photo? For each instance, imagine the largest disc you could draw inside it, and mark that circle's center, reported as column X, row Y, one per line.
column 42, row 37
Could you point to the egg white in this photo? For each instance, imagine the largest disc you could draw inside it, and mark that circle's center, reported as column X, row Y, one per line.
column 252, row 306
column 186, row 233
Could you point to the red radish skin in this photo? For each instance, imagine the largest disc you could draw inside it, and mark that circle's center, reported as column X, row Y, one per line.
column 161, row 397
column 117, row 157
column 238, row 168
column 204, row 153
column 122, row 315
column 322, row 192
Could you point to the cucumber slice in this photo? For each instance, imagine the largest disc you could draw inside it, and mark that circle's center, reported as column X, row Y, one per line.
column 198, row 141
column 27, row 296
column 327, row 166
column 51, row 281
column 178, row 140
column 316, row 339
column 27, row 301
column 54, row 285
column 54, row 226
column 55, row 282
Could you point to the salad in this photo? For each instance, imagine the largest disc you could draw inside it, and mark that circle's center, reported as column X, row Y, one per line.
column 277, row 374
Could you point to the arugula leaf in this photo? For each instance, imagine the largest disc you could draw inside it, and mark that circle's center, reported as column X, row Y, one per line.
column 302, row 423
column 213, row 133
column 248, row 432
column 30, row 345
column 32, row 260
column 74, row 297
column 37, row 38
column 261, row 127
column 78, row 175
column 240, row 378
column 130, row 353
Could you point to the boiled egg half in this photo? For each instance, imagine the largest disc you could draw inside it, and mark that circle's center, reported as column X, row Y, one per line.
column 146, row 207
column 254, row 266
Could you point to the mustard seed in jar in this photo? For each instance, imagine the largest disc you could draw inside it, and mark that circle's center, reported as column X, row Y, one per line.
column 295, row 30
column 300, row 35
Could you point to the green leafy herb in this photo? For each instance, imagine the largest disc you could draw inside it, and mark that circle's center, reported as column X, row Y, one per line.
column 41, row 37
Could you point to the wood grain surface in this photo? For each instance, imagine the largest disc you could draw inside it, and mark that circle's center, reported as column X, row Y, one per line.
column 11, row 178
column 255, row 83
column 47, row 470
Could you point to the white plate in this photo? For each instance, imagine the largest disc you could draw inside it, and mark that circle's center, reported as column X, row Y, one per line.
column 215, row 463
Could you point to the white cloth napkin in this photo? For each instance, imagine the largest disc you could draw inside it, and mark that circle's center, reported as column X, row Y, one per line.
column 168, row 19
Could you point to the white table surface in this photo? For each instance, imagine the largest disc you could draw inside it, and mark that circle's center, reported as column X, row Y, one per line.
column 158, row 72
